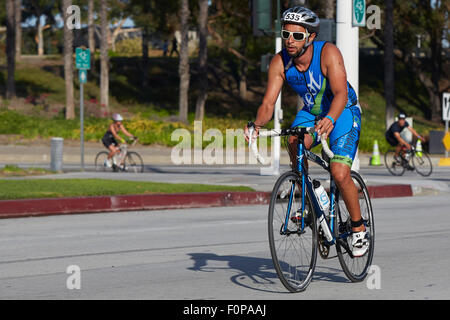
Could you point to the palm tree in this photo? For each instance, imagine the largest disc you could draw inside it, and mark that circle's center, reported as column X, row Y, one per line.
column 18, row 17
column 68, row 63
column 104, row 68
column 91, row 37
column 202, row 59
column 389, row 80
column 10, row 48
column 183, row 69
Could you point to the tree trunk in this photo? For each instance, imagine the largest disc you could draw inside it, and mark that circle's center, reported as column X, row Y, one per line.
column 91, row 34
column 10, row 49
column 389, row 72
column 145, row 41
column 202, row 60
column 243, row 69
column 104, row 68
column 330, row 7
column 18, row 17
column 183, row 69
column 436, row 71
column 68, row 63
column 40, row 38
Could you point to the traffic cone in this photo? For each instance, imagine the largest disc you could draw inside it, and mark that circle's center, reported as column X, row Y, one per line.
column 419, row 148
column 375, row 159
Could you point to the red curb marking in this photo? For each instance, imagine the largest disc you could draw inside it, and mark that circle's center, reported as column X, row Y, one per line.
column 43, row 207
column 389, row 191
column 54, row 206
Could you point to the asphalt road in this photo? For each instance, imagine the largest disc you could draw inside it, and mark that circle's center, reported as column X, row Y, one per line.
column 219, row 253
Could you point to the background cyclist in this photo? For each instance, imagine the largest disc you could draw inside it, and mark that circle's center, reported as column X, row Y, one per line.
column 112, row 136
column 315, row 70
column 394, row 138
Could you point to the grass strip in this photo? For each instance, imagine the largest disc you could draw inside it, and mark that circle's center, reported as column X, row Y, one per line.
column 57, row 188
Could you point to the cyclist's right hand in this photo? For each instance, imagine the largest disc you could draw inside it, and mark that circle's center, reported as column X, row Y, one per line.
column 247, row 131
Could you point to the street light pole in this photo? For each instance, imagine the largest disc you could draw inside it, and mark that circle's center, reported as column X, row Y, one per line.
column 347, row 40
column 274, row 169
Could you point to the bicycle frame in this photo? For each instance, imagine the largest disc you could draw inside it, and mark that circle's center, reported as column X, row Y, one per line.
column 302, row 152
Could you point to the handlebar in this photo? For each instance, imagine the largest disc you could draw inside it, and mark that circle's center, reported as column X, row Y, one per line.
column 283, row 132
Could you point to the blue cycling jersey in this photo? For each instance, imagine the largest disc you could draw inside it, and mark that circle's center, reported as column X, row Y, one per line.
column 312, row 85
column 317, row 96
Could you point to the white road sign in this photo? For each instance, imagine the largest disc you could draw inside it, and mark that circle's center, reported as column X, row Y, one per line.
column 446, row 106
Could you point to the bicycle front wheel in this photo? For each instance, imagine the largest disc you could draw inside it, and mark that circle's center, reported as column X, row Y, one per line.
column 133, row 162
column 100, row 161
column 393, row 165
column 355, row 268
column 422, row 163
column 293, row 247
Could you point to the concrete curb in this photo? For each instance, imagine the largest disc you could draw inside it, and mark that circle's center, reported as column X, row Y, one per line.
column 57, row 206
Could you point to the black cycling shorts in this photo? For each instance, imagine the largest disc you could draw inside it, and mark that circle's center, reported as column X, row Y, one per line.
column 108, row 139
column 392, row 141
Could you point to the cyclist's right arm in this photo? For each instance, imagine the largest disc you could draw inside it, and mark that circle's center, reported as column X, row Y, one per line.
column 274, row 85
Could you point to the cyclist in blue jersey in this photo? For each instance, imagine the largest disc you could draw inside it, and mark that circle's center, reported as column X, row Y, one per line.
column 316, row 71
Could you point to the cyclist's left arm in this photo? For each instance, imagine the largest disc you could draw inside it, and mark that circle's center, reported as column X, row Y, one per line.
column 129, row 135
column 414, row 132
column 334, row 69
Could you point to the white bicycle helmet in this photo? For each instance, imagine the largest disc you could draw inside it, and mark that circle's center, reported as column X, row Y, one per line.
column 303, row 17
column 117, row 117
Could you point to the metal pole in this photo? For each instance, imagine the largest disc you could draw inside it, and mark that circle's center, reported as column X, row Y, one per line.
column 274, row 169
column 277, row 111
column 446, row 130
column 347, row 40
column 82, row 125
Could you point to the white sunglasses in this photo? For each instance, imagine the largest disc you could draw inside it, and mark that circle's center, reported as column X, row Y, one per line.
column 297, row 36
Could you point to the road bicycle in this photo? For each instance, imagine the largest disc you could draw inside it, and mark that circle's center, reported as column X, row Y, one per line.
column 127, row 161
column 299, row 228
column 411, row 160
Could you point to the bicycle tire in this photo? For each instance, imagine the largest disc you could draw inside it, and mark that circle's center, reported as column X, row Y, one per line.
column 294, row 271
column 394, row 168
column 100, row 161
column 133, row 162
column 423, row 164
column 355, row 268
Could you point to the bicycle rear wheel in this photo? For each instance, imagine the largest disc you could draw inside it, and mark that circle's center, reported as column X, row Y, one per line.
column 355, row 268
column 293, row 250
column 422, row 164
column 394, row 167
column 100, row 161
column 133, row 162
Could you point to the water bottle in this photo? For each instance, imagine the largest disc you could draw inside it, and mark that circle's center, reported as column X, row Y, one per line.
column 321, row 195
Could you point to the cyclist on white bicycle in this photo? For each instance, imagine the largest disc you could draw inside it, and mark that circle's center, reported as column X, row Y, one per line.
column 394, row 138
column 316, row 71
column 112, row 136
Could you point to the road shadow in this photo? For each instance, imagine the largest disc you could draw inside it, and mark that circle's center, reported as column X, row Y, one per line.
column 255, row 273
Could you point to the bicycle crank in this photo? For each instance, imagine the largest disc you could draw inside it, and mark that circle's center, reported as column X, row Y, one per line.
column 324, row 248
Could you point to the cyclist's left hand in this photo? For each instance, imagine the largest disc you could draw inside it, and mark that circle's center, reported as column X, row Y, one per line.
column 324, row 127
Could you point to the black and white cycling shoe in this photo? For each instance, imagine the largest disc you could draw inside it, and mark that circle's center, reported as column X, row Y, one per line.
column 360, row 243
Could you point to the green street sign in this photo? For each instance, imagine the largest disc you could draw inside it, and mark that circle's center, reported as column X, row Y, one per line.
column 82, row 59
column 82, row 75
column 359, row 13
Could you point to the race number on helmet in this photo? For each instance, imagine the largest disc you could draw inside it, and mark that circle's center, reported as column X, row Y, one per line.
column 303, row 17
